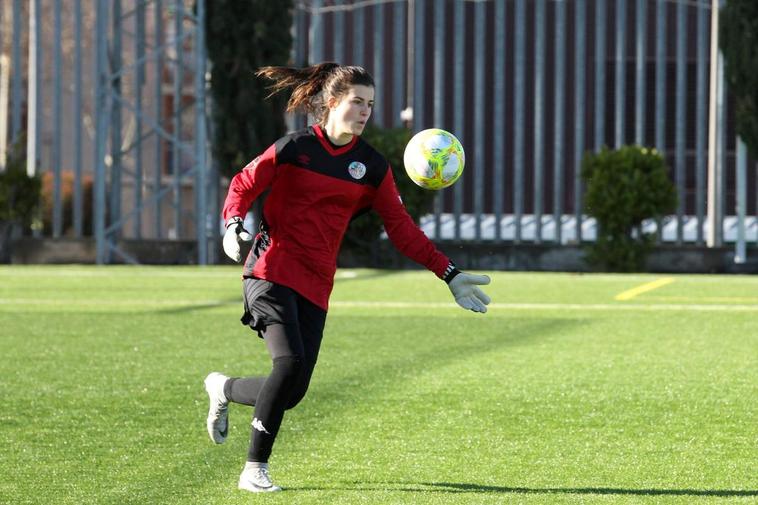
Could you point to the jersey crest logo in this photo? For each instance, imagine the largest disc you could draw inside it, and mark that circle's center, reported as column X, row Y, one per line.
column 356, row 169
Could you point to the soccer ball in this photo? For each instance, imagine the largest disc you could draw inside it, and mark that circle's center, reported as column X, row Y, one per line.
column 434, row 159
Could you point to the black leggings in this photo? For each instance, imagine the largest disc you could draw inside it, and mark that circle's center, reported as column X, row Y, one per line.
column 292, row 328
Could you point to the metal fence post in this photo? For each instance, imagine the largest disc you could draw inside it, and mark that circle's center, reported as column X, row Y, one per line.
column 539, row 116
column 560, row 125
column 740, row 248
column 201, row 145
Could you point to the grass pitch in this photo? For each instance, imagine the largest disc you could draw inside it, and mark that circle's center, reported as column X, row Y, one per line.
column 561, row 393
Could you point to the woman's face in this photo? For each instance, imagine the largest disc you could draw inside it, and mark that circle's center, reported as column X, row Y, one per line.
column 349, row 114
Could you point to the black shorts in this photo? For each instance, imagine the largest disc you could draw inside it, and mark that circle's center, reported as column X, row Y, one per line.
column 269, row 303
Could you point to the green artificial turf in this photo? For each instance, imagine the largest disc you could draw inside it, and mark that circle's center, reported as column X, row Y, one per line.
column 559, row 394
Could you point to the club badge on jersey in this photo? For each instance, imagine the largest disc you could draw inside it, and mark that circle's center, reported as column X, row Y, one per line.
column 356, row 169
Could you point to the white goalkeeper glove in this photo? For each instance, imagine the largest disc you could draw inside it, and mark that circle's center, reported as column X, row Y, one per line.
column 234, row 233
column 465, row 289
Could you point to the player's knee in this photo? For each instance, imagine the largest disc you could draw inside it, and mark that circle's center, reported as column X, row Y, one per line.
column 288, row 367
column 298, row 394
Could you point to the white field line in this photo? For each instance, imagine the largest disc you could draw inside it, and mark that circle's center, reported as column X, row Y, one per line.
column 337, row 304
column 105, row 273
column 551, row 306
column 100, row 302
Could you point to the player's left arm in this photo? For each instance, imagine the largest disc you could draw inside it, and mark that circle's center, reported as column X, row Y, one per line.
column 413, row 243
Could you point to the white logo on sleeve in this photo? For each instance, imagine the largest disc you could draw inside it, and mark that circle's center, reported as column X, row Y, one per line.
column 356, row 169
column 253, row 164
column 258, row 425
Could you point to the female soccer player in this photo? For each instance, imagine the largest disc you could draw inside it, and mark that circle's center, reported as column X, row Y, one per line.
column 319, row 178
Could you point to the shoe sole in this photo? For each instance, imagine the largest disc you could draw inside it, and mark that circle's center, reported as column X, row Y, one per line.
column 209, row 420
column 255, row 489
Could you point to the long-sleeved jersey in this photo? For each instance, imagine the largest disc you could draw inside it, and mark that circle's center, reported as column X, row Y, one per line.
column 316, row 188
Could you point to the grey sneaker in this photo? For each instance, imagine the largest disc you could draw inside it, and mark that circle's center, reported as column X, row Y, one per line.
column 218, row 420
column 255, row 478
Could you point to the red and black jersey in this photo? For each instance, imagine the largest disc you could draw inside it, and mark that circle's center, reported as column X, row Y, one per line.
column 316, row 188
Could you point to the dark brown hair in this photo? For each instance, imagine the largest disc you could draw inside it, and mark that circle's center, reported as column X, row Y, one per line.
column 313, row 86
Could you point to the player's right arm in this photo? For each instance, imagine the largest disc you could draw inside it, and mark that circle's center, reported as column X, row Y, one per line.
column 249, row 183
column 244, row 188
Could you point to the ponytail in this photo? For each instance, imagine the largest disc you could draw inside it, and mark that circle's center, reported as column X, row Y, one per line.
column 313, row 85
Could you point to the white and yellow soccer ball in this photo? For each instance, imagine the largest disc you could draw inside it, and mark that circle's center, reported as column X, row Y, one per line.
column 434, row 158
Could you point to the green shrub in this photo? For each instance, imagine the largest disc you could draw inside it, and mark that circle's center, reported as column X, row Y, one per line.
column 364, row 231
column 625, row 187
column 19, row 193
column 738, row 38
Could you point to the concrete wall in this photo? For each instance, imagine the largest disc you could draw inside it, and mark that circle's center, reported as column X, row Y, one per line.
column 482, row 256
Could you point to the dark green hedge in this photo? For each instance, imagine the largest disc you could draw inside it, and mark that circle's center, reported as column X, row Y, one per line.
column 738, row 37
column 19, row 193
column 624, row 188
